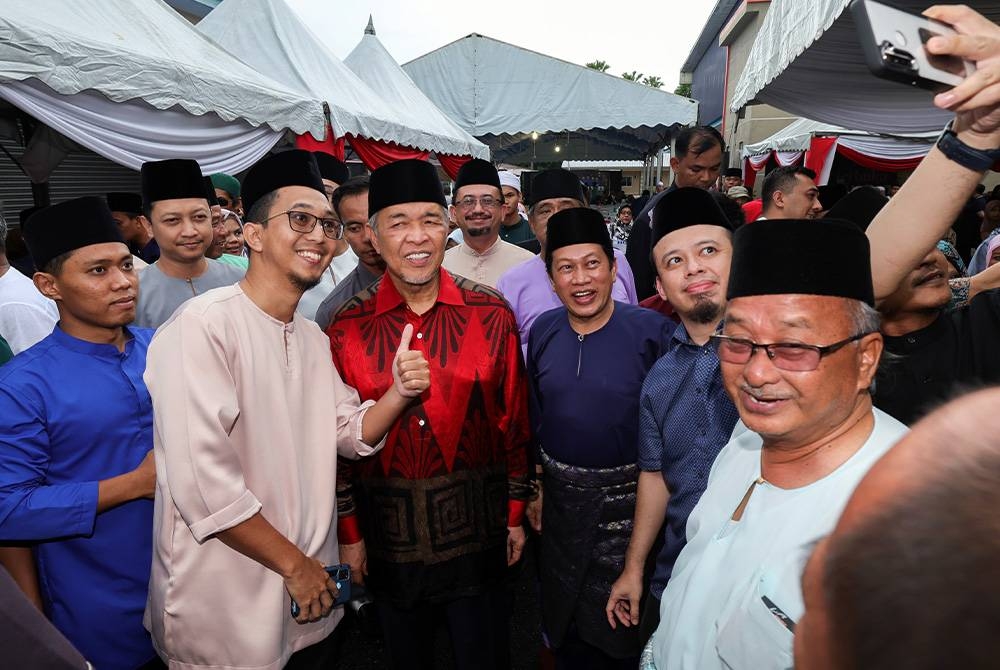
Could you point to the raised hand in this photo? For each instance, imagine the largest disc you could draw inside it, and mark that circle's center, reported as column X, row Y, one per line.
column 410, row 371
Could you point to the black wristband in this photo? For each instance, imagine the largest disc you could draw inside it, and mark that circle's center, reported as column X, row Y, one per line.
column 966, row 156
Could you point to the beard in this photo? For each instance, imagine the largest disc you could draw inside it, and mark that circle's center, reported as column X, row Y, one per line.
column 479, row 232
column 303, row 284
column 704, row 311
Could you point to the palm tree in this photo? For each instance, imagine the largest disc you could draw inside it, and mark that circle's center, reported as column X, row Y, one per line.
column 634, row 75
column 654, row 81
column 598, row 65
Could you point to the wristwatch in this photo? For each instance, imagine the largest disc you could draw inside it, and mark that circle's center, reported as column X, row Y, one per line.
column 966, row 156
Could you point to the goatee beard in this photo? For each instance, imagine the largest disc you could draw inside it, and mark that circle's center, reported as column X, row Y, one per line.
column 303, row 284
column 705, row 311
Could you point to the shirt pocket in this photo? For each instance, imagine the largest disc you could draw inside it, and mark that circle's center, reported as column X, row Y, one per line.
column 753, row 638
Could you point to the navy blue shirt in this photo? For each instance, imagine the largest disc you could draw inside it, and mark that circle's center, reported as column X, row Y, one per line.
column 73, row 413
column 585, row 389
column 685, row 418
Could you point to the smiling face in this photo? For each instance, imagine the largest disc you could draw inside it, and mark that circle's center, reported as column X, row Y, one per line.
column 217, row 247
column 793, row 409
column 583, row 276
column 96, row 289
column 925, row 289
column 801, row 201
column 182, row 228
column 277, row 250
column 478, row 221
column 692, row 267
column 411, row 237
column 233, row 243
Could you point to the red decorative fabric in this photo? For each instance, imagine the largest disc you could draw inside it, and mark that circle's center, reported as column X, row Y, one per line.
column 819, row 149
column 332, row 145
column 749, row 174
column 376, row 153
column 876, row 163
column 452, row 164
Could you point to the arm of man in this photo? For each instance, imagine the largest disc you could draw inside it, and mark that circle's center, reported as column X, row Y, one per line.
column 515, row 428
column 31, row 508
column 534, row 509
column 930, row 200
column 20, row 563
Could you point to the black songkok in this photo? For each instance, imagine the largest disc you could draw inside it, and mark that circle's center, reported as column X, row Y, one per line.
column 288, row 168
column 409, row 180
column 68, row 226
column 130, row 203
column 685, row 207
column 733, row 172
column 477, row 171
column 331, row 167
column 801, row 256
column 859, row 206
column 174, row 179
column 557, row 183
column 213, row 200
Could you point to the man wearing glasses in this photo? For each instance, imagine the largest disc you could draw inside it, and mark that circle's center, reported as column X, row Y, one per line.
column 798, row 354
column 176, row 204
column 477, row 207
column 249, row 418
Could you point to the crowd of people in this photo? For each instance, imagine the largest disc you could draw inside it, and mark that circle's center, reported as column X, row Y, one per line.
column 217, row 393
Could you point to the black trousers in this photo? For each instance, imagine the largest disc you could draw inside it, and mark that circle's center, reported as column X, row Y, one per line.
column 479, row 627
column 575, row 654
column 319, row 656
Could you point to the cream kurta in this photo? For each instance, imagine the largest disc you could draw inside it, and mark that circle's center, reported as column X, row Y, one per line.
column 484, row 268
column 250, row 415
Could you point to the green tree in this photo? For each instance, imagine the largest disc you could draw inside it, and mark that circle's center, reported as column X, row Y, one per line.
column 653, row 80
column 634, row 75
column 683, row 89
column 598, row 65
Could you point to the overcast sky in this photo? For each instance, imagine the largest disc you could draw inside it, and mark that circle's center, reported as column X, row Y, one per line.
column 654, row 38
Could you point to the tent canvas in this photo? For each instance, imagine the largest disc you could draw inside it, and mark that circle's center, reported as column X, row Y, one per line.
column 135, row 82
column 807, row 60
column 373, row 64
column 502, row 93
column 270, row 37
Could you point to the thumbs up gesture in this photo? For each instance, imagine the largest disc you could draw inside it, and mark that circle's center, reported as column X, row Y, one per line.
column 410, row 371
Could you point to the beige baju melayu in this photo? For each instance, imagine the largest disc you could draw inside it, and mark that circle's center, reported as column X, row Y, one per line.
column 484, row 268
column 250, row 415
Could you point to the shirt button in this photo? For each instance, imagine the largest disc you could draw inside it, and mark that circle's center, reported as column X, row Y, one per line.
column 420, row 336
column 911, row 340
column 421, row 422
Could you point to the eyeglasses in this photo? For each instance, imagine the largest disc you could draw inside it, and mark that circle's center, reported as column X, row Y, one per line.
column 304, row 222
column 224, row 202
column 790, row 356
column 486, row 202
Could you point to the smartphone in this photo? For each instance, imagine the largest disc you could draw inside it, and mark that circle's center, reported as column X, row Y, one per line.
column 893, row 44
column 341, row 575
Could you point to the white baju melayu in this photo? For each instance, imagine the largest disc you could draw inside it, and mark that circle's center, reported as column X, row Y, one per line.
column 716, row 610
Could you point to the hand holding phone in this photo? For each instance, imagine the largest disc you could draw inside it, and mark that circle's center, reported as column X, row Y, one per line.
column 894, row 45
column 341, row 576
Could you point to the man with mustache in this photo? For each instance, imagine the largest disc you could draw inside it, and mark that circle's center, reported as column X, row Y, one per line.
column 798, row 354
column 478, row 208
column 176, row 204
column 76, row 438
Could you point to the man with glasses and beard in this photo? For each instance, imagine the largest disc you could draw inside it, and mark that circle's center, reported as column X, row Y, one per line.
column 477, row 206
column 798, row 354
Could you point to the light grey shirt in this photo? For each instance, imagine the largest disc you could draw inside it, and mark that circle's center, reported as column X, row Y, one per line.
column 160, row 295
column 352, row 284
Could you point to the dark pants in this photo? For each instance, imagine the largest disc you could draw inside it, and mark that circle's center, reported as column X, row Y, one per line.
column 575, row 654
column 319, row 656
column 649, row 617
column 478, row 625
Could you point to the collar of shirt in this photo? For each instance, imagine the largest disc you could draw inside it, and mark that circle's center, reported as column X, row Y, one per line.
column 90, row 348
column 388, row 298
column 917, row 339
column 680, row 334
column 469, row 251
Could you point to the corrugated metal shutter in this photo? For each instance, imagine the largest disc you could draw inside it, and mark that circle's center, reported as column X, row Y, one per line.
column 81, row 173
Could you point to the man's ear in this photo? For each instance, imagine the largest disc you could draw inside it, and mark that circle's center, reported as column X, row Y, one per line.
column 47, row 284
column 253, row 236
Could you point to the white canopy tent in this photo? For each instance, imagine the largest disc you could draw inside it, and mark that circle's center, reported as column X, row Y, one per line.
column 270, row 37
column 373, row 64
column 134, row 82
column 816, row 145
column 503, row 94
column 807, row 60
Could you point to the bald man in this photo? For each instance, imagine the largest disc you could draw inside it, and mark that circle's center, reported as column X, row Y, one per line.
column 908, row 577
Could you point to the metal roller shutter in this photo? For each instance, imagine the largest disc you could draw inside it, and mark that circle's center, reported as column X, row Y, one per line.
column 81, row 173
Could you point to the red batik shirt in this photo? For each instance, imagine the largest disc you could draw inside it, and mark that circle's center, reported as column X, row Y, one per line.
column 434, row 504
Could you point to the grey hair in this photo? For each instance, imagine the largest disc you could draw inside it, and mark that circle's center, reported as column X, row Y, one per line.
column 864, row 317
column 372, row 218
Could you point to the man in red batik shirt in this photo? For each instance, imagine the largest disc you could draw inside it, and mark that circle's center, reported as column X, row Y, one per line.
column 435, row 518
